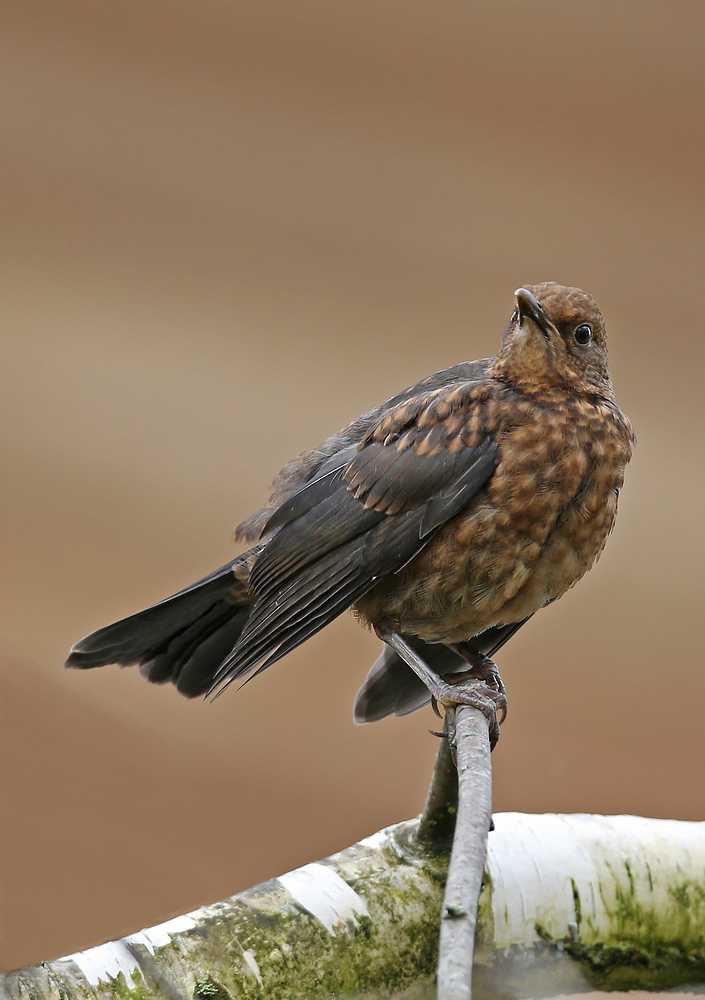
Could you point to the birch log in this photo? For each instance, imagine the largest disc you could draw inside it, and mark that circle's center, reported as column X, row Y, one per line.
column 569, row 903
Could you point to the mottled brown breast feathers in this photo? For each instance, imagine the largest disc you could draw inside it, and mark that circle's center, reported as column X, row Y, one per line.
column 537, row 526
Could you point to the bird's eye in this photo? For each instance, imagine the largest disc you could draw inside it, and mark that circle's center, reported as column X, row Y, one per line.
column 583, row 334
column 514, row 317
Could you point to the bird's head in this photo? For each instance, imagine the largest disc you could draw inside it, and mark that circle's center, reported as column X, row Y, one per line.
column 556, row 336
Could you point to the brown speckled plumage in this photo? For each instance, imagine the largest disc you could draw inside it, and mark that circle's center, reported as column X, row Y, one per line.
column 534, row 529
column 451, row 512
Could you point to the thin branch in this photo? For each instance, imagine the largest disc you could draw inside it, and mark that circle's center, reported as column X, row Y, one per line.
column 467, row 859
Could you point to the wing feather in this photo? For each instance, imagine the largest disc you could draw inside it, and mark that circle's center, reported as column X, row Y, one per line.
column 348, row 527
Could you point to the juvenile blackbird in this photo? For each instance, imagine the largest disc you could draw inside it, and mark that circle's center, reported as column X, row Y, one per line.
column 444, row 518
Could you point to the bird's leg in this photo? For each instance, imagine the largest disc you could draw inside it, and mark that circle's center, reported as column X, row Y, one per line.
column 469, row 690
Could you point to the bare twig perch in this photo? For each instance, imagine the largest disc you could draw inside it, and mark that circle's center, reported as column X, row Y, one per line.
column 467, row 859
column 612, row 901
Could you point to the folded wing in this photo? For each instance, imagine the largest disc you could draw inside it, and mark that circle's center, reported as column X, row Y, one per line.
column 356, row 522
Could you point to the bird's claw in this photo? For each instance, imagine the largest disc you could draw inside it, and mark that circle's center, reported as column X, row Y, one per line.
column 482, row 668
column 475, row 693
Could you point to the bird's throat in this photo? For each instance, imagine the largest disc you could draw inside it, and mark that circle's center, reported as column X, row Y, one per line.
column 528, row 357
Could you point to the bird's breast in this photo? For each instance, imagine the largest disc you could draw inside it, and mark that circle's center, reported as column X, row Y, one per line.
column 532, row 532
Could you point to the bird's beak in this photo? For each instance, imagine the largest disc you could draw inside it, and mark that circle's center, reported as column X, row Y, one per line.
column 528, row 305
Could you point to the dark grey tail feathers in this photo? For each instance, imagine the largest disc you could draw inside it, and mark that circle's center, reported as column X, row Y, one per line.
column 183, row 639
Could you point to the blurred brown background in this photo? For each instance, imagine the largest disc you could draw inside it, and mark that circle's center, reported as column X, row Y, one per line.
column 227, row 229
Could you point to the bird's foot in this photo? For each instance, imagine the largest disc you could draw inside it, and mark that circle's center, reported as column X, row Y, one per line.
column 482, row 668
column 482, row 687
column 464, row 689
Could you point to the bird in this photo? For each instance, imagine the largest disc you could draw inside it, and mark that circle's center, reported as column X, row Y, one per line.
column 444, row 518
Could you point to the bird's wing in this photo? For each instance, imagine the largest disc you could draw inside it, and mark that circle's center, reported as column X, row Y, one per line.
column 308, row 466
column 364, row 516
